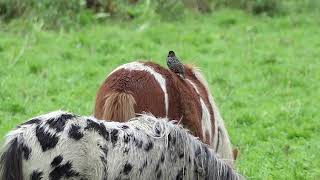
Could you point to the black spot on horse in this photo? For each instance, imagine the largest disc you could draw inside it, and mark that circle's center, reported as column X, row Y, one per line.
column 11, row 161
column 157, row 132
column 32, row 121
column 180, row 175
column 26, row 151
column 162, row 157
column 127, row 168
column 138, row 142
column 46, row 140
column 124, row 127
column 104, row 150
column 98, row 127
column 56, row 161
column 126, row 150
column 181, row 154
column 125, row 138
column 36, row 175
column 114, row 136
column 59, row 123
column 148, row 146
column 159, row 174
column 172, row 139
column 63, row 171
column 74, row 132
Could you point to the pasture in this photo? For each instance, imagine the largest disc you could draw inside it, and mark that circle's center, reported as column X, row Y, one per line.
column 263, row 73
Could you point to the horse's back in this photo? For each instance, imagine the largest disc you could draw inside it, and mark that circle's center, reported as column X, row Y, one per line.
column 62, row 145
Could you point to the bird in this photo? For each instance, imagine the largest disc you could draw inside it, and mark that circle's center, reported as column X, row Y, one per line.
column 175, row 65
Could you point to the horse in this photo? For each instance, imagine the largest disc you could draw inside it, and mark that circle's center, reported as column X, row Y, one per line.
column 138, row 87
column 62, row 145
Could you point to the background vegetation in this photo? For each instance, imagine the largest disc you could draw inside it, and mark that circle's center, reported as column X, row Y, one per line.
column 261, row 58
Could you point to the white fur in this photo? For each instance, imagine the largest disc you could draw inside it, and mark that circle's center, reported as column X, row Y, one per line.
column 225, row 151
column 159, row 78
column 206, row 123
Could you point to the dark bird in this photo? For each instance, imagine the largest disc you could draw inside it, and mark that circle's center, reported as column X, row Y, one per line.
column 174, row 64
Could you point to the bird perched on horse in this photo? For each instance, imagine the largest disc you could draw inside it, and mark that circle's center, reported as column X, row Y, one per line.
column 175, row 65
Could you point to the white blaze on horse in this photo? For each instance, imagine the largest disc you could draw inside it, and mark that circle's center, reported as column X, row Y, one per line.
column 139, row 87
column 61, row 145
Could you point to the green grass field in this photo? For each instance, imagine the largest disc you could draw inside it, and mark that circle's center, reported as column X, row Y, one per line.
column 264, row 74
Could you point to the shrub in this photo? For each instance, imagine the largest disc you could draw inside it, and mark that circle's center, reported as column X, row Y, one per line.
column 13, row 8
column 52, row 11
column 64, row 12
column 269, row 7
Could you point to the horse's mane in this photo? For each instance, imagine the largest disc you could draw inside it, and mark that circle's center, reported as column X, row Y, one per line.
column 152, row 126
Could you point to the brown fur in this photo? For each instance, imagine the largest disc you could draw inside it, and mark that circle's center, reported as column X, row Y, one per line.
column 184, row 102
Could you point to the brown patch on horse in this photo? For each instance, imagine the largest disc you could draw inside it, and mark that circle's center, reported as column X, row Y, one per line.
column 184, row 102
column 141, row 85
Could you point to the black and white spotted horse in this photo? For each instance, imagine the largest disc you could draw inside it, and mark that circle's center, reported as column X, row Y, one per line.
column 61, row 145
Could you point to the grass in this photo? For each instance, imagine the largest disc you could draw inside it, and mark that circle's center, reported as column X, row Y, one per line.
column 264, row 74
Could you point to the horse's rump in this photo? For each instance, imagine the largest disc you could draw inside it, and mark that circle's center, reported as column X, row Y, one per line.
column 137, row 88
column 155, row 90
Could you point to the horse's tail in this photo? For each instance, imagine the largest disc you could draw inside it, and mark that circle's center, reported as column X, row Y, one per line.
column 11, row 160
column 116, row 106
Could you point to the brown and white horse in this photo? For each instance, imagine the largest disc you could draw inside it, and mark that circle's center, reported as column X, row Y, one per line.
column 139, row 87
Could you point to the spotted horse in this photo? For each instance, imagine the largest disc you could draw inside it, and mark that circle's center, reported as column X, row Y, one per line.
column 61, row 145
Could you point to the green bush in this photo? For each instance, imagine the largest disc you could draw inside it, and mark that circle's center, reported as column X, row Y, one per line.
column 54, row 12
column 269, row 7
column 13, row 8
